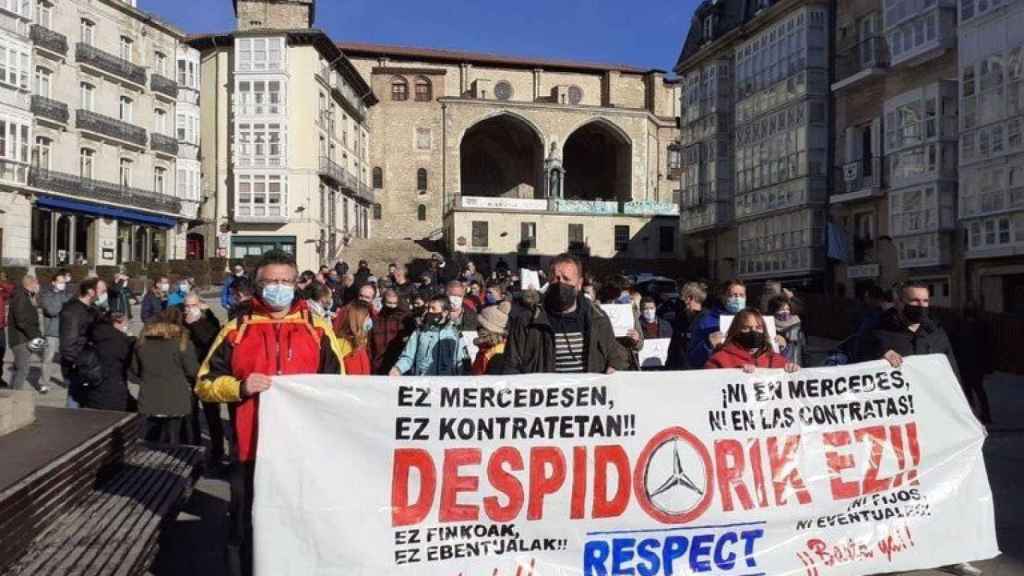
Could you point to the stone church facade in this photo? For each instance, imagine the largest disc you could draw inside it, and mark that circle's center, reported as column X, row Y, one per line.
column 522, row 158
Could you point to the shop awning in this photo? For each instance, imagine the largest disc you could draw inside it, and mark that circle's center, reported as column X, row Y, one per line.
column 125, row 214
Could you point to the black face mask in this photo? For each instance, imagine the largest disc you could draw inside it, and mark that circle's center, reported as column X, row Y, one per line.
column 750, row 340
column 915, row 314
column 559, row 297
column 431, row 320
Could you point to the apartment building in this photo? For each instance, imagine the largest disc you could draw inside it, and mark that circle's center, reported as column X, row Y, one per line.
column 286, row 115
column 89, row 151
column 519, row 159
column 895, row 170
column 757, row 70
column 991, row 199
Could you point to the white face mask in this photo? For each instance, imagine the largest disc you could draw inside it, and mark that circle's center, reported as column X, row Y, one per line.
column 184, row 286
column 164, row 287
column 456, row 302
column 59, row 286
column 650, row 315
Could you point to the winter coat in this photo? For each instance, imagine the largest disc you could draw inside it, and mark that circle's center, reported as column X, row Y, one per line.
column 176, row 298
column 203, row 333
column 657, row 329
column 490, row 360
column 121, row 299
column 679, row 346
column 165, row 363
column 257, row 343
column 51, row 302
column 793, row 331
column 152, row 306
column 390, row 332
column 732, row 355
column 531, row 341
column 225, row 292
column 114, row 349
column 894, row 335
column 6, row 291
column 356, row 360
column 699, row 349
column 468, row 322
column 434, row 352
column 24, row 319
column 75, row 321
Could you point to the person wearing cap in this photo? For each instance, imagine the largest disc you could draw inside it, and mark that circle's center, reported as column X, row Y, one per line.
column 491, row 338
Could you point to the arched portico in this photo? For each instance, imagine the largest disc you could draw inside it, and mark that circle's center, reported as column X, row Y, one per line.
column 598, row 162
column 502, row 156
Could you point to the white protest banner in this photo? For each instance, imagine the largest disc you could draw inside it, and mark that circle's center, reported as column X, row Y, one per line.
column 621, row 316
column 469, row 339
column 724, row 322
column 654, row 354
column 851, row 470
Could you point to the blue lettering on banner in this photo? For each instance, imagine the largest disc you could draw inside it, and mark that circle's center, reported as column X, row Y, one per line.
column 706, row 549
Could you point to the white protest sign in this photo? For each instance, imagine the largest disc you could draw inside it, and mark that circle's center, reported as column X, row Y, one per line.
column 845, row 471
column 621, row 316
column 724, row 322
column 654, row 354
column 529, row 279
column 469, row 339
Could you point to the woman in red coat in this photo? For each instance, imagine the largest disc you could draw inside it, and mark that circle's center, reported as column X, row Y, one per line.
column 353, row 336
column 747, row 346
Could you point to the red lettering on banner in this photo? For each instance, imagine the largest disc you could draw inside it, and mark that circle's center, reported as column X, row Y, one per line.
column 878, row 439
column 729, row 470
column 841, row 489
column 506, row 483
column 577, row 507
column 784, row 470
column 915, row 452
column 404, row 513
column 452, row 484
column 616, row 505
column 542, row 483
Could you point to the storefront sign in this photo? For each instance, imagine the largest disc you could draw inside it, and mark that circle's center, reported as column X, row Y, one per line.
column 488, row 203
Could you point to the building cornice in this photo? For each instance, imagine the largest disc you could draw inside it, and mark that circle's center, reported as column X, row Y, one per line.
column 146, row 18
column 662, row 122
column 410, row 71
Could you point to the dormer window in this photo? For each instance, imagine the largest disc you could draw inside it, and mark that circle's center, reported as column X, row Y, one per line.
column 709, row 27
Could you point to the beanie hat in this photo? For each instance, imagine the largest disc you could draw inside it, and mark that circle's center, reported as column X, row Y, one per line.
column 494, row 319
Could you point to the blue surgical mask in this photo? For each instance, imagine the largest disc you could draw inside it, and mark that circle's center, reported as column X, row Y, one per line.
column 490, row 299
column 735, row 303
column 278, row 296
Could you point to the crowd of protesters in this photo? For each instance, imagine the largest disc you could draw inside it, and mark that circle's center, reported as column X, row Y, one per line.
column 338, row 321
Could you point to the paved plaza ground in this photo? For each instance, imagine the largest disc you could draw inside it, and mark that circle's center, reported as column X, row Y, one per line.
column 194, row 544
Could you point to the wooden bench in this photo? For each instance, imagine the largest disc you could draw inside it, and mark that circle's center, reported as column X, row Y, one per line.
column 115, row 528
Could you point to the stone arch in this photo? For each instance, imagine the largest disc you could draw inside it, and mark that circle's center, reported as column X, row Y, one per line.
column 502, row 155
column 598, row 160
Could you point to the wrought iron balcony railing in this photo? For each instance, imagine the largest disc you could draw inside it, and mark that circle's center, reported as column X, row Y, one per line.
column 332, row 170
column 109, row 63
column 89, row 189
column 164, row 144
column 165, row 86
column 50, row 109
column 112, row 127
column 49, row 40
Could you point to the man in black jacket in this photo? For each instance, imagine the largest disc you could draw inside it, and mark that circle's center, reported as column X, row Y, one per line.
column 76, row 318
column 907, row 330
column 203, row 328
column 26, row 338
column 564, row 333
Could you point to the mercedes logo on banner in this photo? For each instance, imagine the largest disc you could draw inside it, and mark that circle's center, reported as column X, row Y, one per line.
column 673, row 479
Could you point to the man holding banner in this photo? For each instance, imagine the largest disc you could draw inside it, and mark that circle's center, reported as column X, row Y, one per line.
column 565, row 333
column 278, row 336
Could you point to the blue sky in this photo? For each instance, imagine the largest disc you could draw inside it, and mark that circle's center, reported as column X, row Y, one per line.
column 644, row 33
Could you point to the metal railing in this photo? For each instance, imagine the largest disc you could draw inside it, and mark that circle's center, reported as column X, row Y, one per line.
column 164, row 144
column 48, row 39
column 50, row 109
column 865, row 174
column 331, row 169
column 90, row 189
column 112, row 127
column 869, row 53
column 165, row 86
column 107, row 62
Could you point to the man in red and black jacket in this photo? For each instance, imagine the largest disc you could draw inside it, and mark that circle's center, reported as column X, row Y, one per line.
column 278, row 335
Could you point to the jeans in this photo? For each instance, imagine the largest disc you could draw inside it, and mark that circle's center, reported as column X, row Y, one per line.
column 23, row 364
column 239, row 549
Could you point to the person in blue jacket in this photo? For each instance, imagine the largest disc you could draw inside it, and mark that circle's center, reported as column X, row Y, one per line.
column 436, row 348
column 225, row 294
column 705, row 332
